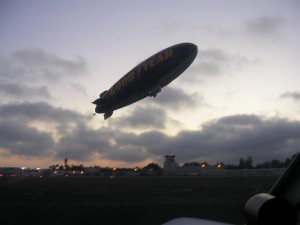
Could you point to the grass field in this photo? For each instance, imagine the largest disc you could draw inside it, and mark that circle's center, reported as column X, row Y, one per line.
column 126, row 200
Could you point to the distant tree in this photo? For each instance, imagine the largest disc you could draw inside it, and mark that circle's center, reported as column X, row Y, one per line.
column 265, row 165
column 246, row 163
column 191, row 164
column 275, row 163
column 76, row 167
column 206, row 163
column 249, row 163
column 287, row 162
column 56, row 167
column 52, row 167
column 242, row 163
column 153, row 167
column 231, row 167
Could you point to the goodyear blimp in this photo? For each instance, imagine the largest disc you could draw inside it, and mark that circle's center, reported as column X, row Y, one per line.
column 147, row 78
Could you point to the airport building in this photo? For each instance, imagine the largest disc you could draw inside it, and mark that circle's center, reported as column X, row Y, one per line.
column 171, row 168
column 170, row 165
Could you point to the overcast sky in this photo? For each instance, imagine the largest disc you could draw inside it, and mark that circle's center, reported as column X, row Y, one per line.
column 239, row 98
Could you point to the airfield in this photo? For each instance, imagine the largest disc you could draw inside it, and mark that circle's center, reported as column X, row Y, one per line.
column 126, row 200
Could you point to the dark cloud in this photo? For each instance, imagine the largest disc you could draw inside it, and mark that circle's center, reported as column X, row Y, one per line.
column 34, row 74
column 143, row 117
column 212, row 61
column 176, row 98
column 237, row 136
column 20, row 139
column 20, row 136
column 78, row 88
column 85, row 144
column 36, row 64
column 21, row 91
column 38, row 111
column 225, row 139
column 25, row 74
column 293, row 95
column 268, row 28
column 215, row 62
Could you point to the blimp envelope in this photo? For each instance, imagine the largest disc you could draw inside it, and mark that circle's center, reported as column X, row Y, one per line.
column 147, row 79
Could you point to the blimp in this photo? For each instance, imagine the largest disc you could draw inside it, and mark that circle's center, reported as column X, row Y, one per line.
column 146, row 79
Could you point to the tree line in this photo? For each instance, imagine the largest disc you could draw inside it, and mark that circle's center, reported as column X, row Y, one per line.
column 248, row 164
column 244, row 163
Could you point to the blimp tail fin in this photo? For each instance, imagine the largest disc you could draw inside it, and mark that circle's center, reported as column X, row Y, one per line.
column 108, row 114
column 99, row 100
column 102, row 94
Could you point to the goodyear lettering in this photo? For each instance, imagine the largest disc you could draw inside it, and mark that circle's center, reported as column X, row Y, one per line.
column 145, row 66
column 152, row 63
column 112, row 92
column 160, row 58
column 169, row 54
column 135, row 74
column 131, row 76
column 139, row 71
column 118, row 86
column 124, row 81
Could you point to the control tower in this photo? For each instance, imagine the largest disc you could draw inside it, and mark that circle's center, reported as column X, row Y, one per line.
column 170, row 167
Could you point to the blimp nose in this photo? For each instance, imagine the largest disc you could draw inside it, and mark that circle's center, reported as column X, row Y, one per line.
column 191, row 48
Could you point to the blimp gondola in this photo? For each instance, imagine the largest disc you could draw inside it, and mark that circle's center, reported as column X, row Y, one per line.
column 147, row 78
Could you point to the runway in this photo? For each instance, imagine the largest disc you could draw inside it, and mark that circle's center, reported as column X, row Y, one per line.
column 129, row 200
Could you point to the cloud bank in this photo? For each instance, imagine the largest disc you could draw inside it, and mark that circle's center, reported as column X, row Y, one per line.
column 225, row 139
column 292, row 95
column 34, row 74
